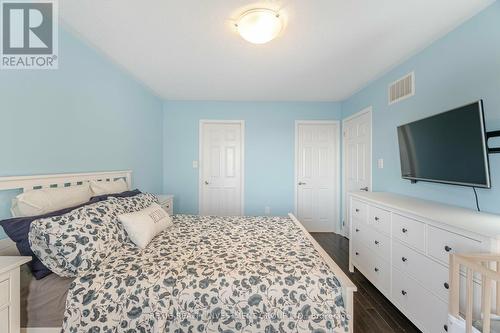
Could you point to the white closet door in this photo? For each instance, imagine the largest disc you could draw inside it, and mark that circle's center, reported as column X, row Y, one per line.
column 317, row 170
column 221, row 173
column 357, row 157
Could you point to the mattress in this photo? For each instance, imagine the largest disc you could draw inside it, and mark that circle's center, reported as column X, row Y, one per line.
column 212, row 274
column 43, row 301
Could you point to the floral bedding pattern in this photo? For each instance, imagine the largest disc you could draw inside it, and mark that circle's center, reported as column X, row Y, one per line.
column 79, row 241
column 211, row 274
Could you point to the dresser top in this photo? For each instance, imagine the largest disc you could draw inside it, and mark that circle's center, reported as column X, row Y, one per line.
column 484, row 224
column 9, row 263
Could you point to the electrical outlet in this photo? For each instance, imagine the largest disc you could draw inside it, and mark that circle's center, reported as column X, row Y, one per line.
column 380, row 163
column 195, row 164
column 267, row 210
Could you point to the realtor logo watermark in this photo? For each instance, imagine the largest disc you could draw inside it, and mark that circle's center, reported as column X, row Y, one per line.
column 29, row 33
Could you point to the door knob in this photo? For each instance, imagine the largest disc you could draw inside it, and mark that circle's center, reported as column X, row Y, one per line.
column 302, row 183
column 206, row 182
column 364, row 189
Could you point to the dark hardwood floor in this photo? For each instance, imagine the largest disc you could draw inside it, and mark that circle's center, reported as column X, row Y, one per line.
column 373, row 312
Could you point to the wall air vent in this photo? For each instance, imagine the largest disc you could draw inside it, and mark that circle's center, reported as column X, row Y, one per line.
column 402, row 88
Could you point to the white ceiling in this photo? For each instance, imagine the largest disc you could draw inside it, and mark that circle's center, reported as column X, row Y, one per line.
column 189, row 50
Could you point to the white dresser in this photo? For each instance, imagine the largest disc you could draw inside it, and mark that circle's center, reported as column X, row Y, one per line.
column 402, row 245
column 9, row 293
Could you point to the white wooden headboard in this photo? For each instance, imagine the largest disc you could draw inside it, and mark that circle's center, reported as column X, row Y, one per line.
column 30, row 183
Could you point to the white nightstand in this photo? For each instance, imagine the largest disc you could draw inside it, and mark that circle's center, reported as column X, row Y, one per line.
column 166, row 202
column 10, row 321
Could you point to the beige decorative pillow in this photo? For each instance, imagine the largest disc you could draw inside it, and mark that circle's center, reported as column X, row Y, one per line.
column 111, row 187
column 39, row 202
column 144, row 225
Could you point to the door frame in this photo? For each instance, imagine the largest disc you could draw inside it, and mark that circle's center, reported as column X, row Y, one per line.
column 345, row 215
column 202, row 122
column 337, row 162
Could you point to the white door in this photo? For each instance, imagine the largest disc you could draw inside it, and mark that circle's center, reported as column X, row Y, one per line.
column 357, row 157
column 317, row 175
column 221, row 168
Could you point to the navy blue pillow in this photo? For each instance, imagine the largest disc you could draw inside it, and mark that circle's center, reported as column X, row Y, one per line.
column 18, row 228
column 117, row 195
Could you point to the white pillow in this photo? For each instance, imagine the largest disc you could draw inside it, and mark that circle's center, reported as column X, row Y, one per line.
column 112, row 187
column 144, row 225
column 38, row 202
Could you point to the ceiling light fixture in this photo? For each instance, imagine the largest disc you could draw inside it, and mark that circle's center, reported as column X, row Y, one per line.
column 259, row 26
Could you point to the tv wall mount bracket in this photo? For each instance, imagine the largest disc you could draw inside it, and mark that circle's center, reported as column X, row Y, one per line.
column 490, row 135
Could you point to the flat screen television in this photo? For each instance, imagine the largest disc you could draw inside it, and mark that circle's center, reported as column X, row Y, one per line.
column 449, row 148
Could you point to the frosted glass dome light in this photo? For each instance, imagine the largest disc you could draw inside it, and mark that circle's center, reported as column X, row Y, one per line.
column 259, row 26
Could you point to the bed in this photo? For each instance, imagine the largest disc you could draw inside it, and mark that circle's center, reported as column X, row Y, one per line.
column 207, row 274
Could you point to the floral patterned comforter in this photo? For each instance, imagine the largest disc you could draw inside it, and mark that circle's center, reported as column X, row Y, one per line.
column 211, row 274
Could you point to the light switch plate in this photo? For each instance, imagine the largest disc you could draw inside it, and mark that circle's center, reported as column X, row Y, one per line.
column 380, row 163
column 195, row 164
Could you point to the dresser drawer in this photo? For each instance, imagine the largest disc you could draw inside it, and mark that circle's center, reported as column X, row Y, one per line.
column 359, row 254
column 380, row 244
column 380, row 219
column 429, row 273
column 379, row 273
column 4, row 320
column 409, row 231
column 167, row 206
column 359, row 230
column 376, row 242
column 359, row 211
column 441, row 243
column 4, row 291
column 373, row 267
column 427, row 312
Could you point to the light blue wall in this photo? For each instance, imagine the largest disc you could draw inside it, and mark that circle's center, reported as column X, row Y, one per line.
column 88, row 115
column 462, row 67
column 269, row 149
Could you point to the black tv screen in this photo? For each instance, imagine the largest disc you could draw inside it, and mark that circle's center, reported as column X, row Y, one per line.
column 449, row 147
